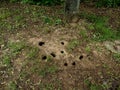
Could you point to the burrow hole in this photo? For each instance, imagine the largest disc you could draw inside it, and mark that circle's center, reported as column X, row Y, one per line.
column 41, row 43
column 62, row 52
column 44, row 57
column 65, row 64
column 81, row 57
column 53, row 54
column 62, row 43
column 73, row 63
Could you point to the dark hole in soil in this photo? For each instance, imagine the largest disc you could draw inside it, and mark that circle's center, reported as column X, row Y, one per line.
column 73, row 63
column 53, row 54
column 62, row 43
column 65, row 64
column 41, row 43
column 44, row 57
column 62, row 51
column 81, row 57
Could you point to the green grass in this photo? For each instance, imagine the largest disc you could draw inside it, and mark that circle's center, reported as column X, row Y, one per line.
column 38, row 68
column 9, row 23
column 48, row 58
column 108, row 3
column 52, row 20
column 88, row 49
column 49, row 86
column 83, row 33
column 6, row 60
column 4, row 13
column 99, row 27
column 14, row 48
column 4, row 16
column 23, row 75
column 117, row 57
column 93, row 86
column 55, row 84
column 72, row 44
column 48, row 70
column 58, row 21
column 33, row 53
column 14, row 20
column 12, row 86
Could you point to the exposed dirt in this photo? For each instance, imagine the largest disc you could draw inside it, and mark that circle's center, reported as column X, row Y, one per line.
column 65, row 69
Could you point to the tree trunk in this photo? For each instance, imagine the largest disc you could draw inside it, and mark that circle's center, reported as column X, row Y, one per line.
column 71, row 8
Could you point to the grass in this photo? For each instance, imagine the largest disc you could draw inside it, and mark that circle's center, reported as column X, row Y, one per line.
column 47, row 20
column 58, row 21
column 48, row 58
column 13, row 20
column 14, row 48
column 38, row 66
column 12, row 86
column 51, row 86
column 6, row 60
column 4, row 13
column 22, row 75
column 117, row 57
column 51, row 20
column 83, row 33
column 16, row 20
column 19, row 22
column 72, row 44
column 93, row 86
column 88, row 49
column 99, row 27
column 54, row 84
column 47, row 70
column 32, row 53
column 47, row 86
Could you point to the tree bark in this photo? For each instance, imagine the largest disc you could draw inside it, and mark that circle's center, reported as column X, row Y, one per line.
column 72, row 10
column 72, row 6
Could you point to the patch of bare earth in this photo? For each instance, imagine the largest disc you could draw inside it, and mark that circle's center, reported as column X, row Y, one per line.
column 75, row 67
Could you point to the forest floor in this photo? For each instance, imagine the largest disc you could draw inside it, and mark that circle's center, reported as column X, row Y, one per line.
column 39, row 50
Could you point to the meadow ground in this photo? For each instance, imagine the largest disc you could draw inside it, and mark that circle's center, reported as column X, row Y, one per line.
column 39, row 50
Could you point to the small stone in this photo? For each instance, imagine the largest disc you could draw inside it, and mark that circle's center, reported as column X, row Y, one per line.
column 95, row 53
column 118, row 49
column 2, row 45
column 17, row 40
column 117, row 42
column 110, row 46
